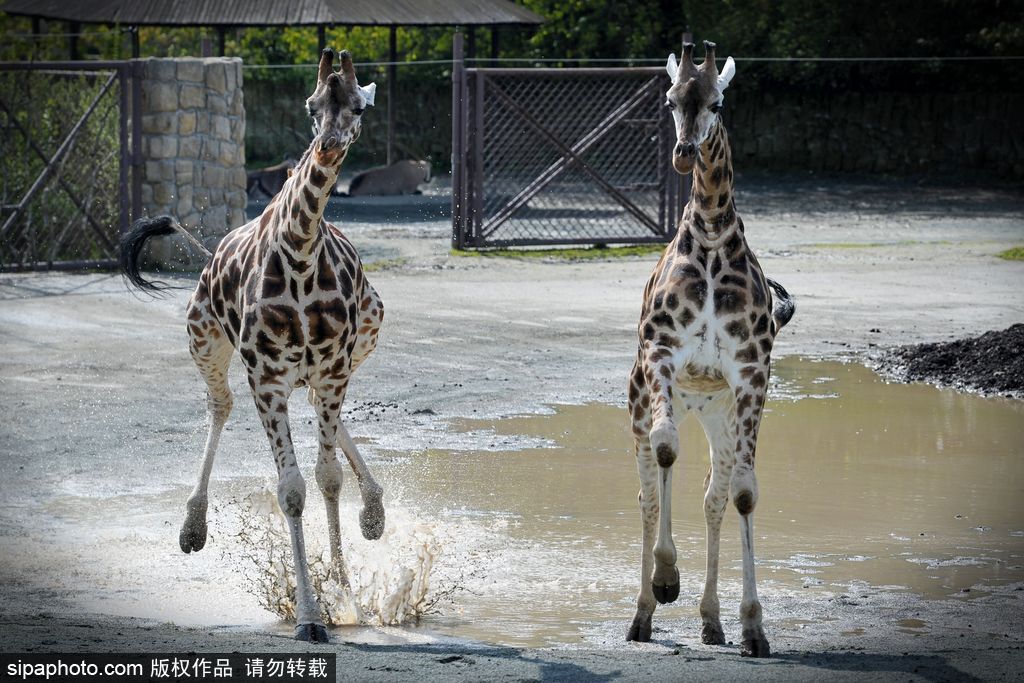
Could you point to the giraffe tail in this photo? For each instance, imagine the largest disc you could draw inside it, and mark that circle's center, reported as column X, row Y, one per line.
column 135, row 239
column 784, row 306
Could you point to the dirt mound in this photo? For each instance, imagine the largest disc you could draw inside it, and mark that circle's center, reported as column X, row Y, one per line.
column 992, row 364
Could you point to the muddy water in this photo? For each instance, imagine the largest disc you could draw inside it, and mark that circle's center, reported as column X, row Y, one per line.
column 864, row 485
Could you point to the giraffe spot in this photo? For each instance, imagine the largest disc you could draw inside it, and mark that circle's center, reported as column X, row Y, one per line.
column 672, row 301
column 317, row 177
column 747, row 354
column 266, row 347
column 761, row 326
column 685, row 245
column 686, row 317
column 732, row 280
column 729, row 301
column 739, row 264
column 311, row 202
column 696, row 292
column 758, row 380
column 663, row 319
column 648, row 332
column 668, row 340
column 738, row 330
column 743, row 404
column 716, row 265
column 722, row 199
column 273, row 277
column 766, row 345
column 686, row 272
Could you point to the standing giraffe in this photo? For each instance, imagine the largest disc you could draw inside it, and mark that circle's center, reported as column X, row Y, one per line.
column 706, row 330
column 288, row 291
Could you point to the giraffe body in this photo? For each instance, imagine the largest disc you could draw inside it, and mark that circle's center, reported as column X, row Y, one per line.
column 707, row 325
column 287, row 291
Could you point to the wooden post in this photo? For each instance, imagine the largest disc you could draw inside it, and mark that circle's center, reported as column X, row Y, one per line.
column 136, row 52
column 321, row 39
column 457, row 161
column 494, row 43
column 471, row 42
column 37, row 29
column 205, row 47
column 392, row 77
column 221, row 34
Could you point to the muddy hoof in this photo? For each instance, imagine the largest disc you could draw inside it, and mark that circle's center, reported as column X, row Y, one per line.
column 666, row 590
column 640, row 630
column 371, row 519
column 755, row 647
column 712, row 634
column 193, row 534
column 312, row 633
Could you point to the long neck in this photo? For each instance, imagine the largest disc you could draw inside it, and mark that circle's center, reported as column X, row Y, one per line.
column 712, row 211
column 301, row 203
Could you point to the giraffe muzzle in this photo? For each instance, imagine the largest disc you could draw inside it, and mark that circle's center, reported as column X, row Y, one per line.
column 683, row 157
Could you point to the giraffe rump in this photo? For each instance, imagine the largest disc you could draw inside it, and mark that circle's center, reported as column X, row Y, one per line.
column 135, row 240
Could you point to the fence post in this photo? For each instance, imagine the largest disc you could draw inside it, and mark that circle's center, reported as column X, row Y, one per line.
column 124, row 213
column 137, row 73
column 458, row 66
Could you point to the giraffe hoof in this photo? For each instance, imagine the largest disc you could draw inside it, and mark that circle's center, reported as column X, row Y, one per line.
column 312, row 633
column 711, row 634
column 193, row 534
column 666, row 590
column 640, row 630
column 755, row 646
column 371, row 519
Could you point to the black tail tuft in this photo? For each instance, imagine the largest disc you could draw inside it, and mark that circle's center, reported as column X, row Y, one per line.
column 784, row 307
column 131, row 249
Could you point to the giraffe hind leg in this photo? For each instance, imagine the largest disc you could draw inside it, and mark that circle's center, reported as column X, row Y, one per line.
column 211, row 352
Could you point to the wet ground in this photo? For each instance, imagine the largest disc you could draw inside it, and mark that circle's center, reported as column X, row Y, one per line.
column 867, row 488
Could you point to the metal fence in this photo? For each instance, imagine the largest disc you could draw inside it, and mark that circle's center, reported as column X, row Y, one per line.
column 67, row 186
column 562, row 156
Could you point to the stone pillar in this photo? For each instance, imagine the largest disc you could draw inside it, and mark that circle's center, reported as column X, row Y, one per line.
column 193, row 149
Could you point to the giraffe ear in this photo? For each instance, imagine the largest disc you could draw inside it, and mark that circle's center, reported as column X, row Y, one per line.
column 728, row 71
column 672, row 67
column 369, row 92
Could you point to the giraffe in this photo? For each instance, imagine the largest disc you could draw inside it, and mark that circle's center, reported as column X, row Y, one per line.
column 287, row 290
column 707, row 325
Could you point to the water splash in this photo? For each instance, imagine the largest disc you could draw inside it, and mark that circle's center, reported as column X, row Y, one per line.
column 389, row 579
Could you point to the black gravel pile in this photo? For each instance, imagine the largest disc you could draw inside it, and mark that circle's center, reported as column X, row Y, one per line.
column 992, row 364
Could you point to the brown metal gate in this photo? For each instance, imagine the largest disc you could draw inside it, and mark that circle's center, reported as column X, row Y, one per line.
column 562, row 156
column 69, row 156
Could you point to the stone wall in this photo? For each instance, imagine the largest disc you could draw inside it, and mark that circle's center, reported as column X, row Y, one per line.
column 193, row 149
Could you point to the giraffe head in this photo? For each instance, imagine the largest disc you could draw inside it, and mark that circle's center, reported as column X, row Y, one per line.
column 695, row 99
column 336, row 107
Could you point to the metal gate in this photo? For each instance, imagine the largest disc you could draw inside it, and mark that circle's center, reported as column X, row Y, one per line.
column 562, row 156
column 69, row 181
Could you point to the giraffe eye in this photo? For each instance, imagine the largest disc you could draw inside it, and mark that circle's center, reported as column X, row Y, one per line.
column 359, row 111
column 715, row 108
column 670, row 104
column 313, row 113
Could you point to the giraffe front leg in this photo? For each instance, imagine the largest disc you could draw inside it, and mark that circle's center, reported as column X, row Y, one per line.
column 743, row 492
column 329, row 476
column 660, row 373
column 647, row 468
column 272, row 404
column 716, row 418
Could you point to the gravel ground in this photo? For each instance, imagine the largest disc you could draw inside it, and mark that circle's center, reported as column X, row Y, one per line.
column 872, row 267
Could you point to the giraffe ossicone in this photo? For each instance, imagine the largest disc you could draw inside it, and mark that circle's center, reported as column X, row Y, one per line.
column 288, row 292
column 707, row 326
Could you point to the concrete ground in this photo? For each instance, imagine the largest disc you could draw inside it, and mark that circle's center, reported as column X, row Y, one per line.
column 871, row 265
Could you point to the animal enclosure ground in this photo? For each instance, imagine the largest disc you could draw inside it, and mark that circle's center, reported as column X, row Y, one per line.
column 103, row 421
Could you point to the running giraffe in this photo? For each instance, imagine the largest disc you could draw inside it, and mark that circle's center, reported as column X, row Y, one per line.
column 707, row 326
column 288, row 292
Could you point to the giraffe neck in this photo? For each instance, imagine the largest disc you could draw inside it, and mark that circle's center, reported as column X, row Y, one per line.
column 300, row 209
column 711, row 212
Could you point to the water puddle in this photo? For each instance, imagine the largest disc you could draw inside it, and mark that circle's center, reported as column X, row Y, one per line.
column 864, row 486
